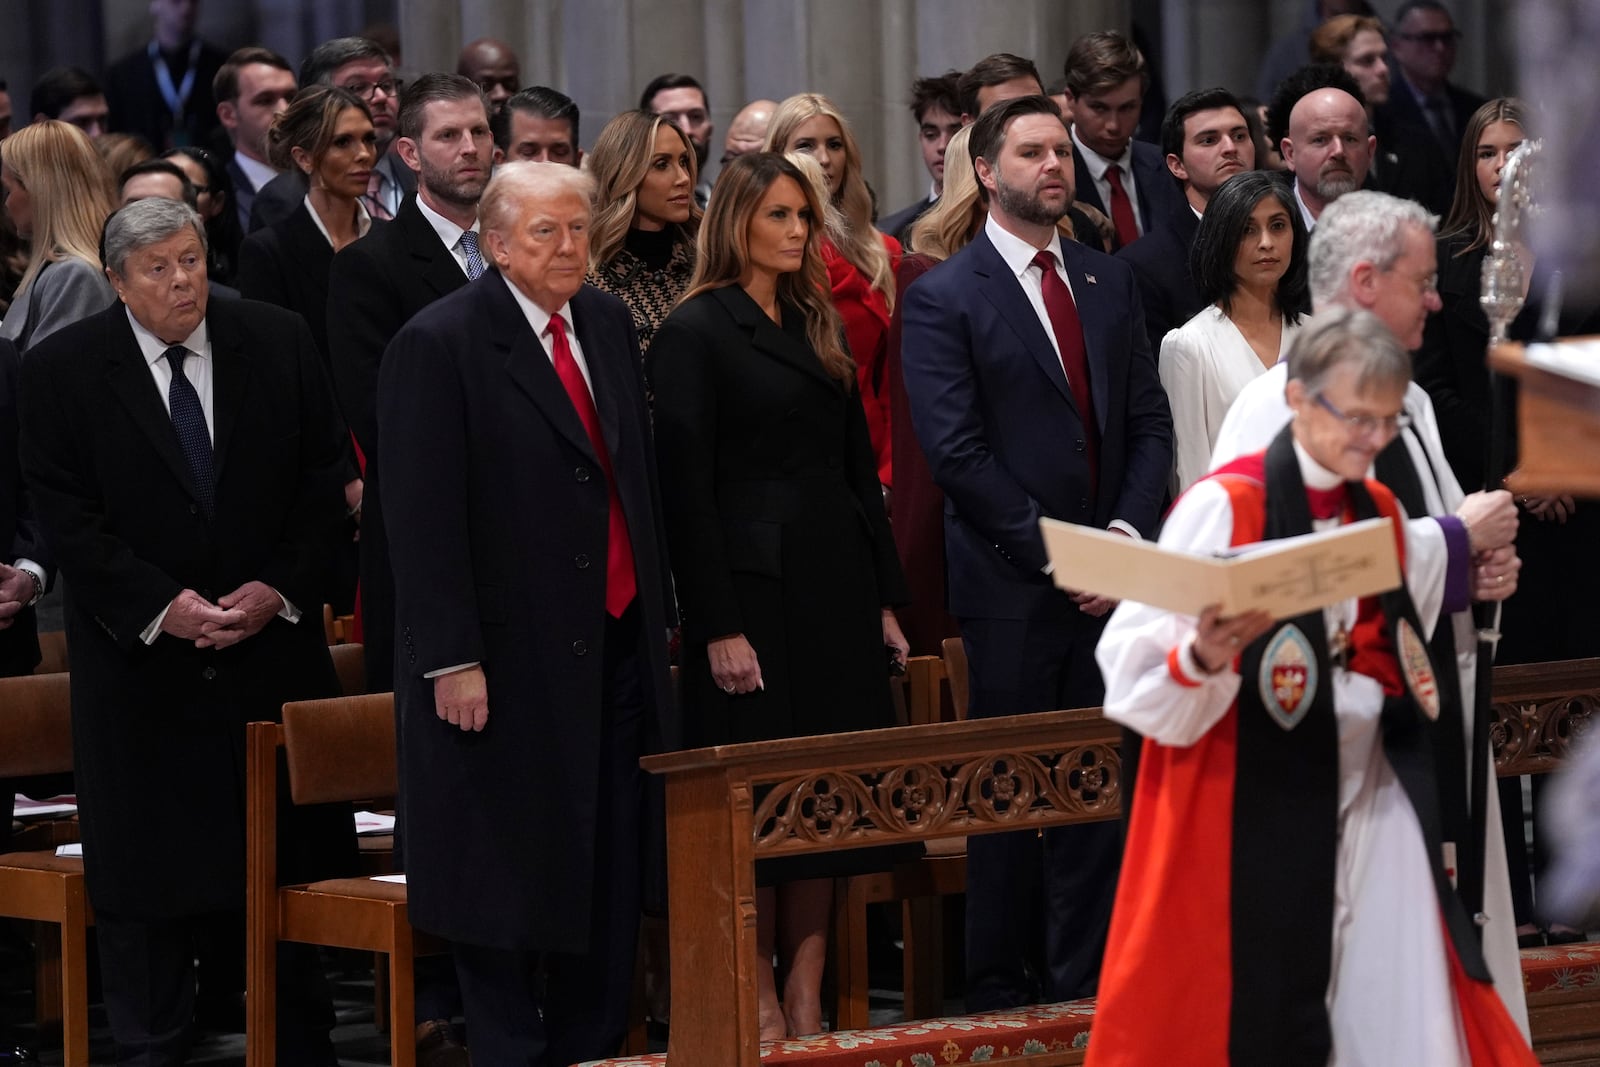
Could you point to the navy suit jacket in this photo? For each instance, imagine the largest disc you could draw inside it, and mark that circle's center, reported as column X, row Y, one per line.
column 1154, row 185
column 1160, row 262
column 991, row 407
column 898, row 225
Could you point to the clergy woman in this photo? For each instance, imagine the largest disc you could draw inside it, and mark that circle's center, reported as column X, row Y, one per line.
column 1284, row 897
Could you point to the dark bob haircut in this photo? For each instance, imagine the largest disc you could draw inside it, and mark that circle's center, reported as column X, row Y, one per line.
column 1222, row 228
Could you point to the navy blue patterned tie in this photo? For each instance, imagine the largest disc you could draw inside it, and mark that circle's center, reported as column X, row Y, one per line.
column 469, row 245
column 189, row 419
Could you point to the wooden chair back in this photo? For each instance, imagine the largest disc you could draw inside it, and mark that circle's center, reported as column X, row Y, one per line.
column 955, row 671
column 35, row 725
column 52, row 652
column 341, row 749
column 350, row 664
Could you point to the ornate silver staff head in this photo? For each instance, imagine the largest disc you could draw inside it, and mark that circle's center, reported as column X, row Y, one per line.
column 1504, row 272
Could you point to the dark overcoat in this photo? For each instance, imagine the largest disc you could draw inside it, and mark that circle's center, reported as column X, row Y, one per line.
column 496, row 507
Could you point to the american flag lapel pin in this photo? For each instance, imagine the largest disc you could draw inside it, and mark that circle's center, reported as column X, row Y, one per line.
column 1090, row 279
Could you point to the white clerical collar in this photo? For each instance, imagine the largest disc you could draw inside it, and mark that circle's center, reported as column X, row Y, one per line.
column 1312, row 473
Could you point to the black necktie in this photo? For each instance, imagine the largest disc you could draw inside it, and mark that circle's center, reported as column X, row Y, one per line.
column 189, row 419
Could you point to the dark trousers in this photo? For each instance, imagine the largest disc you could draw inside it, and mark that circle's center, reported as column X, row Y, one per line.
column 1038, row 905
column 147, row 977
column 547, row 1009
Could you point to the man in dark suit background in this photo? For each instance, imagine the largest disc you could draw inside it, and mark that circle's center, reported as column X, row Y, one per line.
column 1124, row 179
column 252, row 88
column 1034, row 393
column 1207, row 141
column 532, row 598
column 375, row 286
column 1422, row 46
column 363, row 67
column 184, row 456
column 937, row 107
column 162, row 92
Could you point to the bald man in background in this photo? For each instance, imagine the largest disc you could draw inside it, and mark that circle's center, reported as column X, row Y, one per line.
column 494, row 66
column 747, row 130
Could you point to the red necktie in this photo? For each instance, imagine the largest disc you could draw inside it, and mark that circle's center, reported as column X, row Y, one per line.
column 1121, row 208
column 1326, row 503
column 1068, row 328
column 620, row 582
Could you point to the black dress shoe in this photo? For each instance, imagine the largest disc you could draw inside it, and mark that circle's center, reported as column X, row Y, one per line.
column 437, row 1045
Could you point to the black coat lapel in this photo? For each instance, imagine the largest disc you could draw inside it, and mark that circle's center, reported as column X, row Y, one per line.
column 1001, row 288
column 1098, row 322
column 129, row 377
column 601, row 342
column 770, row 338
column 230, row 377
column 435, row 264
column 529, row 365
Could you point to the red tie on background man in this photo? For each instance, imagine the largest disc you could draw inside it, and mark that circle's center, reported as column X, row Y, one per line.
column 1068, row 328
column 1121, row 208
column 620, row 581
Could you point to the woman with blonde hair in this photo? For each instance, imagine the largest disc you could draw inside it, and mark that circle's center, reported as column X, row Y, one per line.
column 58, row 194
column 860, row 261
column 641, row 242
column 780, row 545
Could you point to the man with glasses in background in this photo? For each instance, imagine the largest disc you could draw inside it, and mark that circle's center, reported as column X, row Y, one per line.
column 1422, row 48
column 361, row 66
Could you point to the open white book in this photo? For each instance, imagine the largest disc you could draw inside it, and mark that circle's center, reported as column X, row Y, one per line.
column 1286, row 577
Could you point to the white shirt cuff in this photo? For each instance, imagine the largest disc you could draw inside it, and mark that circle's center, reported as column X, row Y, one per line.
column 149, row 634
column 450, row 670
column 1122, row 527
column 37, row 571
column 288, row 612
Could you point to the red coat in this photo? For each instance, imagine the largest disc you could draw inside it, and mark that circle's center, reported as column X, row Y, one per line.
column 865, row 312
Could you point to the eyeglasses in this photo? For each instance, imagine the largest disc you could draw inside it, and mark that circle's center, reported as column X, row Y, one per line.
column 368, row 90
column 1367, row 425
column 1434, row 39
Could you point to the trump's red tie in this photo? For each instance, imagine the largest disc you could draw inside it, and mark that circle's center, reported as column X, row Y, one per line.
column 620, row 581
column 1068, row 328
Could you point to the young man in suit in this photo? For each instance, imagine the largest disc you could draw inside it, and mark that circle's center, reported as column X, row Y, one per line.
column 185, row 460
column 532, row 596
column 252, row 88
column 537, row 125
column 375, row 286
column 1124, row 179
column 938, row 113
column 1207, row 141
column 1033, row 393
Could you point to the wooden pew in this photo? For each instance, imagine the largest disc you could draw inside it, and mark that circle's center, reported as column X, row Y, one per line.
column 732, row 804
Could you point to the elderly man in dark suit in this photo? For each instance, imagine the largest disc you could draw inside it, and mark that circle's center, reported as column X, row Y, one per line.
column 1207, row 141
column 532, row 596
column 185, row 459
column 1033, row 393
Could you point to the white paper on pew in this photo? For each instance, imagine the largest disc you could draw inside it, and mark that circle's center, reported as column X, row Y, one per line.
column 73, row 851
column 373, row 822
column 400, row 878
column 1285, row 578
column 24, row 808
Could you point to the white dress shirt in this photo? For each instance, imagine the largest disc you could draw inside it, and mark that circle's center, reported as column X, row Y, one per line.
column 1305, row 212
column 363, row 220
column 258, row 172
column 449, row 233
column 1097, row 165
